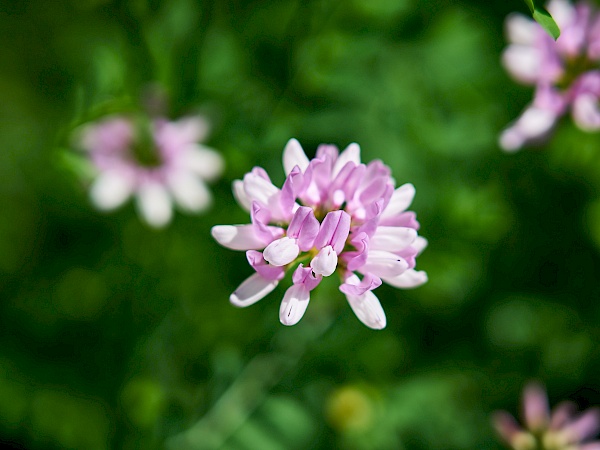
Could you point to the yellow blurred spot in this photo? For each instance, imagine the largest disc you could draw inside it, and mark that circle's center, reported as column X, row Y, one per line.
column 349, row 409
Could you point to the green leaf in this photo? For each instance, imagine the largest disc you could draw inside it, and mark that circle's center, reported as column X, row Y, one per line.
column 543, row 17
column 530, row 4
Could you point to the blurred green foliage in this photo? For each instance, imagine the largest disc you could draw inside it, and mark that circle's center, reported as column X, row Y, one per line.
column 118, row 336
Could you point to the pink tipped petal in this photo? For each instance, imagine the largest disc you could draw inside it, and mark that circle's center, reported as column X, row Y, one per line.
column 267, row 271
column 334, row 230
column 110, row 190
column 535, row 407
column 356, row 259
column 583, row 427
column 294, row 304
column 293, row 155
column 325, row 262
column 240, row 195
column 521, row 30
column 419, row 244
column 260, row 217
column 373, row 191
column 154, row 204
column 561, row 414
column 203, row 161
column 366, row 307
column 258, row 189
column 533, row 124
column 237, row 237
column 253, row 289
column 408, row 280
column 384, row 264
column 368, row 283
column 590, row 446
column 190, row 192
column 586, row 113
column 392, row 238
column 304, row 227
column 282, row 251
column 350, row 154
column 305, row 276
column 523, row 62
column 401, row 199
column 506, row 426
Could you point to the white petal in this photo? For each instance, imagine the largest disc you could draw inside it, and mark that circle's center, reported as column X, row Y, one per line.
column 409, row 279
column 419, row 244
column 293, row 155
column 521, row 30
column 383, row 264
column 325, row 262
column 586, row 113
column 294, row 304
column 240, row 195
column 237, row 237
column 366, row 307
column 401, row 199
column 253, row 289
column 204, row 161
column 189, row 192
column 392, row 239
column 259, row 189
column 110, row 190
column 154, row 204
column 351, row 153
column 562, row 12
column 523, row 62
column 281, row 251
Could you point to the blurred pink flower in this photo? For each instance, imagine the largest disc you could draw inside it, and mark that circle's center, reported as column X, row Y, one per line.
column 177, row 174
column 564, row 72
column 559, row 429
column 333, row 214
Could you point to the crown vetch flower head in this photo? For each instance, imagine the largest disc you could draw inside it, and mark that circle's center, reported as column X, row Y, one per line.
column 332, row 214
column 559, row 429
column 158, row 162
column 564, row 72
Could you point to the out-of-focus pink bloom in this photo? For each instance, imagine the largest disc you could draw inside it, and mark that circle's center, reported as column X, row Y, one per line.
column 177, row 174
column 560, row 429
column 563, row 71
column 333, row 214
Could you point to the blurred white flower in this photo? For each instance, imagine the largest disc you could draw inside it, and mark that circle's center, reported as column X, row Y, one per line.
column 564, row 72
column 159, row 164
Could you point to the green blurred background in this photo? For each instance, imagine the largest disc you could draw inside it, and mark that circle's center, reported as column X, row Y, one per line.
column 114, row 335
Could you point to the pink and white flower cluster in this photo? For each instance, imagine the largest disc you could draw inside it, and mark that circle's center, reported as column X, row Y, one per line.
column 333, row 214
column 565, row 72
column 178, row 175
column 560, row 429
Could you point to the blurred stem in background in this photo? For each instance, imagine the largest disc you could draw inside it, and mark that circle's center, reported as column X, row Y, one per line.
column 252, row 386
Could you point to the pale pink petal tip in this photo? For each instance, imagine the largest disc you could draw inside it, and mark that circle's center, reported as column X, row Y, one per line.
column 294, row 304
column 110, row 190
column 408, row 280
column 252, row 290
column 154, row 205
column 535, row 407
column 237, row 237
column 325, row 262
column 293, row 155
column 505, row 425
column 366, row 306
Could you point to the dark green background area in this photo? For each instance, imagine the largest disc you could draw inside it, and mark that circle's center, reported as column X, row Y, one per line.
column 114, row 335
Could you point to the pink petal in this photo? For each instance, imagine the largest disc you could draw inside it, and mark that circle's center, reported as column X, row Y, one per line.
column 293, row 155
column 305, row 276
column 401, row 199
column 294, row 304
column 407, row 280
column 325, row 262
column 281, row 251
column 366, row 307
column 304, row 227
column 252, row 290
column 384, row 264
column 368, row 283
column 392, row 238
column 237, row 237
column 334, row 230
column 535, row 407
column 267, row 271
